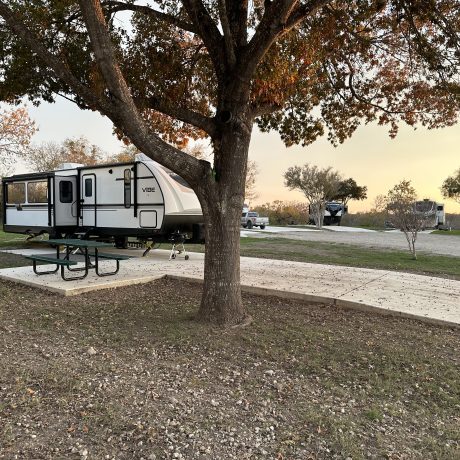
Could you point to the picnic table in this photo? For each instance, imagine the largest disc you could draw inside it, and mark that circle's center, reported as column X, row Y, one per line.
column 65, row 262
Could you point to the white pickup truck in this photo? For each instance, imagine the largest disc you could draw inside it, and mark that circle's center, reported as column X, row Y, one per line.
column 251, row 219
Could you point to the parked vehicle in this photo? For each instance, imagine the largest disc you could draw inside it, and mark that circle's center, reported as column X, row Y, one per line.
column 139, row 199
column 251, row 219
column 333, row 213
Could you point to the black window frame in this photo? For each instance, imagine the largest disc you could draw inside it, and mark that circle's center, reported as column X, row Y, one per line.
column 61, row 192
column 88, row 187
column 8, row 192
column 127, row 188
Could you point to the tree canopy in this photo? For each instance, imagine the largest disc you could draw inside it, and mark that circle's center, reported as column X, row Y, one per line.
column 49, row 155
column 451, row 187
column 314, row 67
column 401, row 207
column 16, row 131
column 165, row 72
column 350, row 190
column 319, row 185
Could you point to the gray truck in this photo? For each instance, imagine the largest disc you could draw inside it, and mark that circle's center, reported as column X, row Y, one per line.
column 251, row 219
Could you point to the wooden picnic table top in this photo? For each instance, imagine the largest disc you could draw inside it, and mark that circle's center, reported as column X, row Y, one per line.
column 76, row 243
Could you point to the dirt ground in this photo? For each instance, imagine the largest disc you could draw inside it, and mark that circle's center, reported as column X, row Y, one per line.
column 128, row 374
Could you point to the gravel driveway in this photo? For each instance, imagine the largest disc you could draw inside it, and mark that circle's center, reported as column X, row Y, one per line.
column 427, row 242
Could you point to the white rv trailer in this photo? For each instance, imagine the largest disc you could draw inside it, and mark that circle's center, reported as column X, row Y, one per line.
column 432, row 213
column 333, row 213
column 138, row 199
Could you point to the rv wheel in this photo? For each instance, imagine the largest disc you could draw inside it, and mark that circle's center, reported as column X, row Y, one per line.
column 173, row 256
column 186, row 257
column 121, row 242
column 262, row 227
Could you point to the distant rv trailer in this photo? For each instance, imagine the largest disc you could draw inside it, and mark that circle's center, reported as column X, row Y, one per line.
column 333, row 213
column 432, row 212
column 137, row 199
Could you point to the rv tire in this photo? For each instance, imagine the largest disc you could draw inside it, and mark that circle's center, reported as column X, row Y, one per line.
column 121, row 242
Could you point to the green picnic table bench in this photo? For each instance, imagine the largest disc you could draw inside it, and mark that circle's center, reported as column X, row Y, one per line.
column 62, row 263
column 66, row 262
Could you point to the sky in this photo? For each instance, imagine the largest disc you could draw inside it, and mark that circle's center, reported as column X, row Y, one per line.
column 426, row 157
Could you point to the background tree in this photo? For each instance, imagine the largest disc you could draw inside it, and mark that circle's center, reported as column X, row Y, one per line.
column 127, row 154
column 400, row 206
column 16, row 131
column 318, row 185
column 252, row 171
column 284, row 212
column 49, row 155
column 350, row 190
column 451, row 187
column 189, row 69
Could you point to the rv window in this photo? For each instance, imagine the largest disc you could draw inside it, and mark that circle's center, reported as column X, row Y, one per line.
column 16, row 193
column 127, row 185
column 65, row 191
column 440, row 207
column 127, row 176
column 37, row 192
column 88, row 187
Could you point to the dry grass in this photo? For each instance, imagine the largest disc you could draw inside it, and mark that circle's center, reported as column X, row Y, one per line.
column 303, row 381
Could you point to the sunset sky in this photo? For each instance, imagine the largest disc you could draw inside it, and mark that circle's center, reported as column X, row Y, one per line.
column 370, row 157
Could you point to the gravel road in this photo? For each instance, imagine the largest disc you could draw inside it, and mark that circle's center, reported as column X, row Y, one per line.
column 426, row 242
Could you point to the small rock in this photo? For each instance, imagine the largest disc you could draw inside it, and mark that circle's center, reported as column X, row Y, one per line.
column 270, row 372
column 91, row 351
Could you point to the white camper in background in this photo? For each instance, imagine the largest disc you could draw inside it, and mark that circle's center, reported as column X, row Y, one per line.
column 432, row 212
column 139, row 199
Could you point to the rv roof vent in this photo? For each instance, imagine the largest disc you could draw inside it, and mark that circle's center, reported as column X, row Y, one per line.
column 69, row 166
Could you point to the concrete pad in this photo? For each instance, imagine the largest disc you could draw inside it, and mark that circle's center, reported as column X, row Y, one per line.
column 435, row 300
column 134, row 271
column 411, row 295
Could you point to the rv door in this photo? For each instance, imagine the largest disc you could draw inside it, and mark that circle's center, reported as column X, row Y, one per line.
column 65, row 201
column 88, row 200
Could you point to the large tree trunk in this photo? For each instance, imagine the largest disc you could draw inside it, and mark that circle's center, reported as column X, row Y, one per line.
column 222, row 202
column 221, row 301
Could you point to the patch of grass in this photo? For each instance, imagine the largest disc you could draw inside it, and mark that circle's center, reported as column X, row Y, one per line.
column 13, row 260
column 446, row 232
column 12, row 240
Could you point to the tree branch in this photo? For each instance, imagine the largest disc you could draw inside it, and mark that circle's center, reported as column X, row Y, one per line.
column 260, row 110
column 127, row 117
column 237, row 12
column 149, row 11
column 209, row 33
column 182, row 114
column 17, row 26
column 303, row 11
column 228, row 36
column 279, row 18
